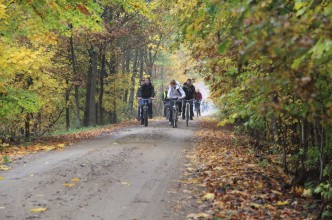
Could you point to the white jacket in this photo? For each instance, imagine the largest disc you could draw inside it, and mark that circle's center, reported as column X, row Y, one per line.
column 175, row 93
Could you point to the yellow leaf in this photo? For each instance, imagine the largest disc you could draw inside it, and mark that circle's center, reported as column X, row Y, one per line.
column 280, row 203
column 69, row 184
column 208, row 196
column 2, row 178
column 198, row 215
column 4, row 168
column 75, row 180
column 307, row 193
column 276, row 192
column 61, row 145
column 125, row 183
column 41, row 209
column 255, row 205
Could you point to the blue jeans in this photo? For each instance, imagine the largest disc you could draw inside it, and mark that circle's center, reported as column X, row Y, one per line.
column 149, row 103
column 191, row 109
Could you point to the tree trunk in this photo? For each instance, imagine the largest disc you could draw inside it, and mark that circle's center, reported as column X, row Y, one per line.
column 101, row 92
column 67, row 106
column 87, row 97
column 73, row 62
column 132, row 88
column 141, row 69
column 93, row 88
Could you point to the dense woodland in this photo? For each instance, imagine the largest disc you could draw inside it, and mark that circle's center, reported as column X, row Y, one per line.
column 66, row 64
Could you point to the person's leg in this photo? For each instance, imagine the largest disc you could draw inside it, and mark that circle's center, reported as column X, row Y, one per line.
column 191, row 109
column 150, row 108
column 184, row 110
column 139, row 111
column 170, row 110
column 141, row 107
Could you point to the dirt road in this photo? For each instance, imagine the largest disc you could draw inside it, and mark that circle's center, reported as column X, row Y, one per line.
column 128, row 175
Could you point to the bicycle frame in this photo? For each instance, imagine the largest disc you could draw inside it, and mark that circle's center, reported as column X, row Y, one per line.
column 145, row 111
column 188, row 109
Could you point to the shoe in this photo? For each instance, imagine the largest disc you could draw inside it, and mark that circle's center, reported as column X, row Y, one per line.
column 191, row 118
column 142, row 122
column 150, row 116
column 183, row 117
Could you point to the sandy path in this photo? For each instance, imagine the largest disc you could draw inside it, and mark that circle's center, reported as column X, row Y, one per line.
column 129, row 175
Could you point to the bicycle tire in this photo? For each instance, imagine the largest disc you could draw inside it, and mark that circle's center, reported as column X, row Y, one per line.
column 145, row 116
column 174, row 118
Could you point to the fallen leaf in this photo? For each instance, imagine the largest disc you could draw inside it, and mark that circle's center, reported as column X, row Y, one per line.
column 75, row 180
column 208, row 196
column 2, row 178
column 69, row 184
column 125, row 183
column 198, row 215
column 36, row 210
column 4, row 168
column 280, row 203
column 307, row 193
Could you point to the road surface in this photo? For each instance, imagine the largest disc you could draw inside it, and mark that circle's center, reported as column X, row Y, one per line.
column 132, row 174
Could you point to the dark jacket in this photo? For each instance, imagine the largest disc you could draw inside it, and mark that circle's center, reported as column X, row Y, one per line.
column 190, row 91
column 147, row 91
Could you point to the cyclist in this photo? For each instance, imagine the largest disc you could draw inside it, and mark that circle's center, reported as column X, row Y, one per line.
column 189, row 89
column 147, row 92
column 175, row 91
column 198, row 99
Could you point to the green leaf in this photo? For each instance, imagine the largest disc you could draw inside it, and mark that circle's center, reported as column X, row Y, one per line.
column 222, row 47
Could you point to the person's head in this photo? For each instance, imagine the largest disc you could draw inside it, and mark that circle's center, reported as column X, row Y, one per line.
column 147, row 80
column 198, row 90
column 173, row 83
column 189, row 82
column 142, row 81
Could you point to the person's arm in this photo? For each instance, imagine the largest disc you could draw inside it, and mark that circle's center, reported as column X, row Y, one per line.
column 183, row 94
column 152, row 91
column 169, row 92
column 139, row 92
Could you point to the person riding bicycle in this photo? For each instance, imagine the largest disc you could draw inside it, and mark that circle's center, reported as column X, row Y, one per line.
column 175, row 91
column 198, row 99
column 147, row 92
column 189, row 89
column 138, row 95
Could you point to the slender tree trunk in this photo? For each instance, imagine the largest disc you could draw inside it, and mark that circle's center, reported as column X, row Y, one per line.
column 93, row 91
column 141, row 69
column 87, row 97
column 132, row 88
column 67, row 106
column 101, row 92
column 73, row 62
column 27, row 126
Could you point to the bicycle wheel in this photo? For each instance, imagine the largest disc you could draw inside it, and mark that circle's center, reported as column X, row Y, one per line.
column 145, row 116
column 187, row 113
column 174, row 118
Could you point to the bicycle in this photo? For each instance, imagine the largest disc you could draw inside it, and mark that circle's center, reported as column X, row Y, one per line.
column 187, row 102
column 175, row 111
column 145, row 118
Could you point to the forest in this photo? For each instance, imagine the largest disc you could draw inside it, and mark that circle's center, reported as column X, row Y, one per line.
column 268, row 64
